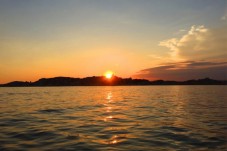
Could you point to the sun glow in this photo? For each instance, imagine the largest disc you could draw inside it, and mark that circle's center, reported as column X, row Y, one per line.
column 109, row 74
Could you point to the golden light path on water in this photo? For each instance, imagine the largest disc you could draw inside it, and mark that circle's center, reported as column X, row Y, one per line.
column 110, row 106
column 113, row 118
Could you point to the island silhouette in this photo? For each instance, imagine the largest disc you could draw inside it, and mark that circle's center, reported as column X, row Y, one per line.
column 103, row 81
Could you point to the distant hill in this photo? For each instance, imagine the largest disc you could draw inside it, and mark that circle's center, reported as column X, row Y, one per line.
column 102, row 81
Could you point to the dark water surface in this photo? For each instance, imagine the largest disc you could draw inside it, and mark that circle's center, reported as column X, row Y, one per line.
column 114, row 118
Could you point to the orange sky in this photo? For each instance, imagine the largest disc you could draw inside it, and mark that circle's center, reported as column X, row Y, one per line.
column 87, row 38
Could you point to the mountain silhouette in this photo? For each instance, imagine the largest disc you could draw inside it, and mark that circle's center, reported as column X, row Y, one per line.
column 102, row 81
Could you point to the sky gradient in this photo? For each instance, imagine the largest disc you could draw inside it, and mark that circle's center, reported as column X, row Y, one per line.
column 152, row 39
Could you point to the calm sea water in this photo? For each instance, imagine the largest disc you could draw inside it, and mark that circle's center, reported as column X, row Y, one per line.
column 114, row 118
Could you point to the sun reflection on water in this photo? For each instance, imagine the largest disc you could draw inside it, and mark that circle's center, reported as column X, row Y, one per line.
column 113, row 142
column 109, row 97
column 110, row 105
column 108, row 118
column 113, row 118
column 108, row 109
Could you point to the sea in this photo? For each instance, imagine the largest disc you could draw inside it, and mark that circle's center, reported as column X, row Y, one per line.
column 113, row 118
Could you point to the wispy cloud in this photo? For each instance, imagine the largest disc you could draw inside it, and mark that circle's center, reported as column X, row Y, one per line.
column 180, row 32
column 224, row 17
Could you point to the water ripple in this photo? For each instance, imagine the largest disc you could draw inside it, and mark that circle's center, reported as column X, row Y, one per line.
column 114, row 118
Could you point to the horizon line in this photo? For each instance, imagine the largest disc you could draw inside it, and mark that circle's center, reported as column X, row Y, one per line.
column 102, row 76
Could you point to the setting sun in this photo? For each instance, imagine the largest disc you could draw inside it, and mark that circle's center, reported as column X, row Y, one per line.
column 109, row 74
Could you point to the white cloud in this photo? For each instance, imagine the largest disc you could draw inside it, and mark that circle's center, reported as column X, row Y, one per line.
column 224, row 17
column 199, row 43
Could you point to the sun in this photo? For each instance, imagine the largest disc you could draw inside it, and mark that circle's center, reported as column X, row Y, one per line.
column 109, row 74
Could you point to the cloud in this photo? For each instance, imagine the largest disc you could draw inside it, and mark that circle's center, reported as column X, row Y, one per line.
column 198, row 53
column 185, row 70
column 180, row 32
column 224, row 17
column 199, row 43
